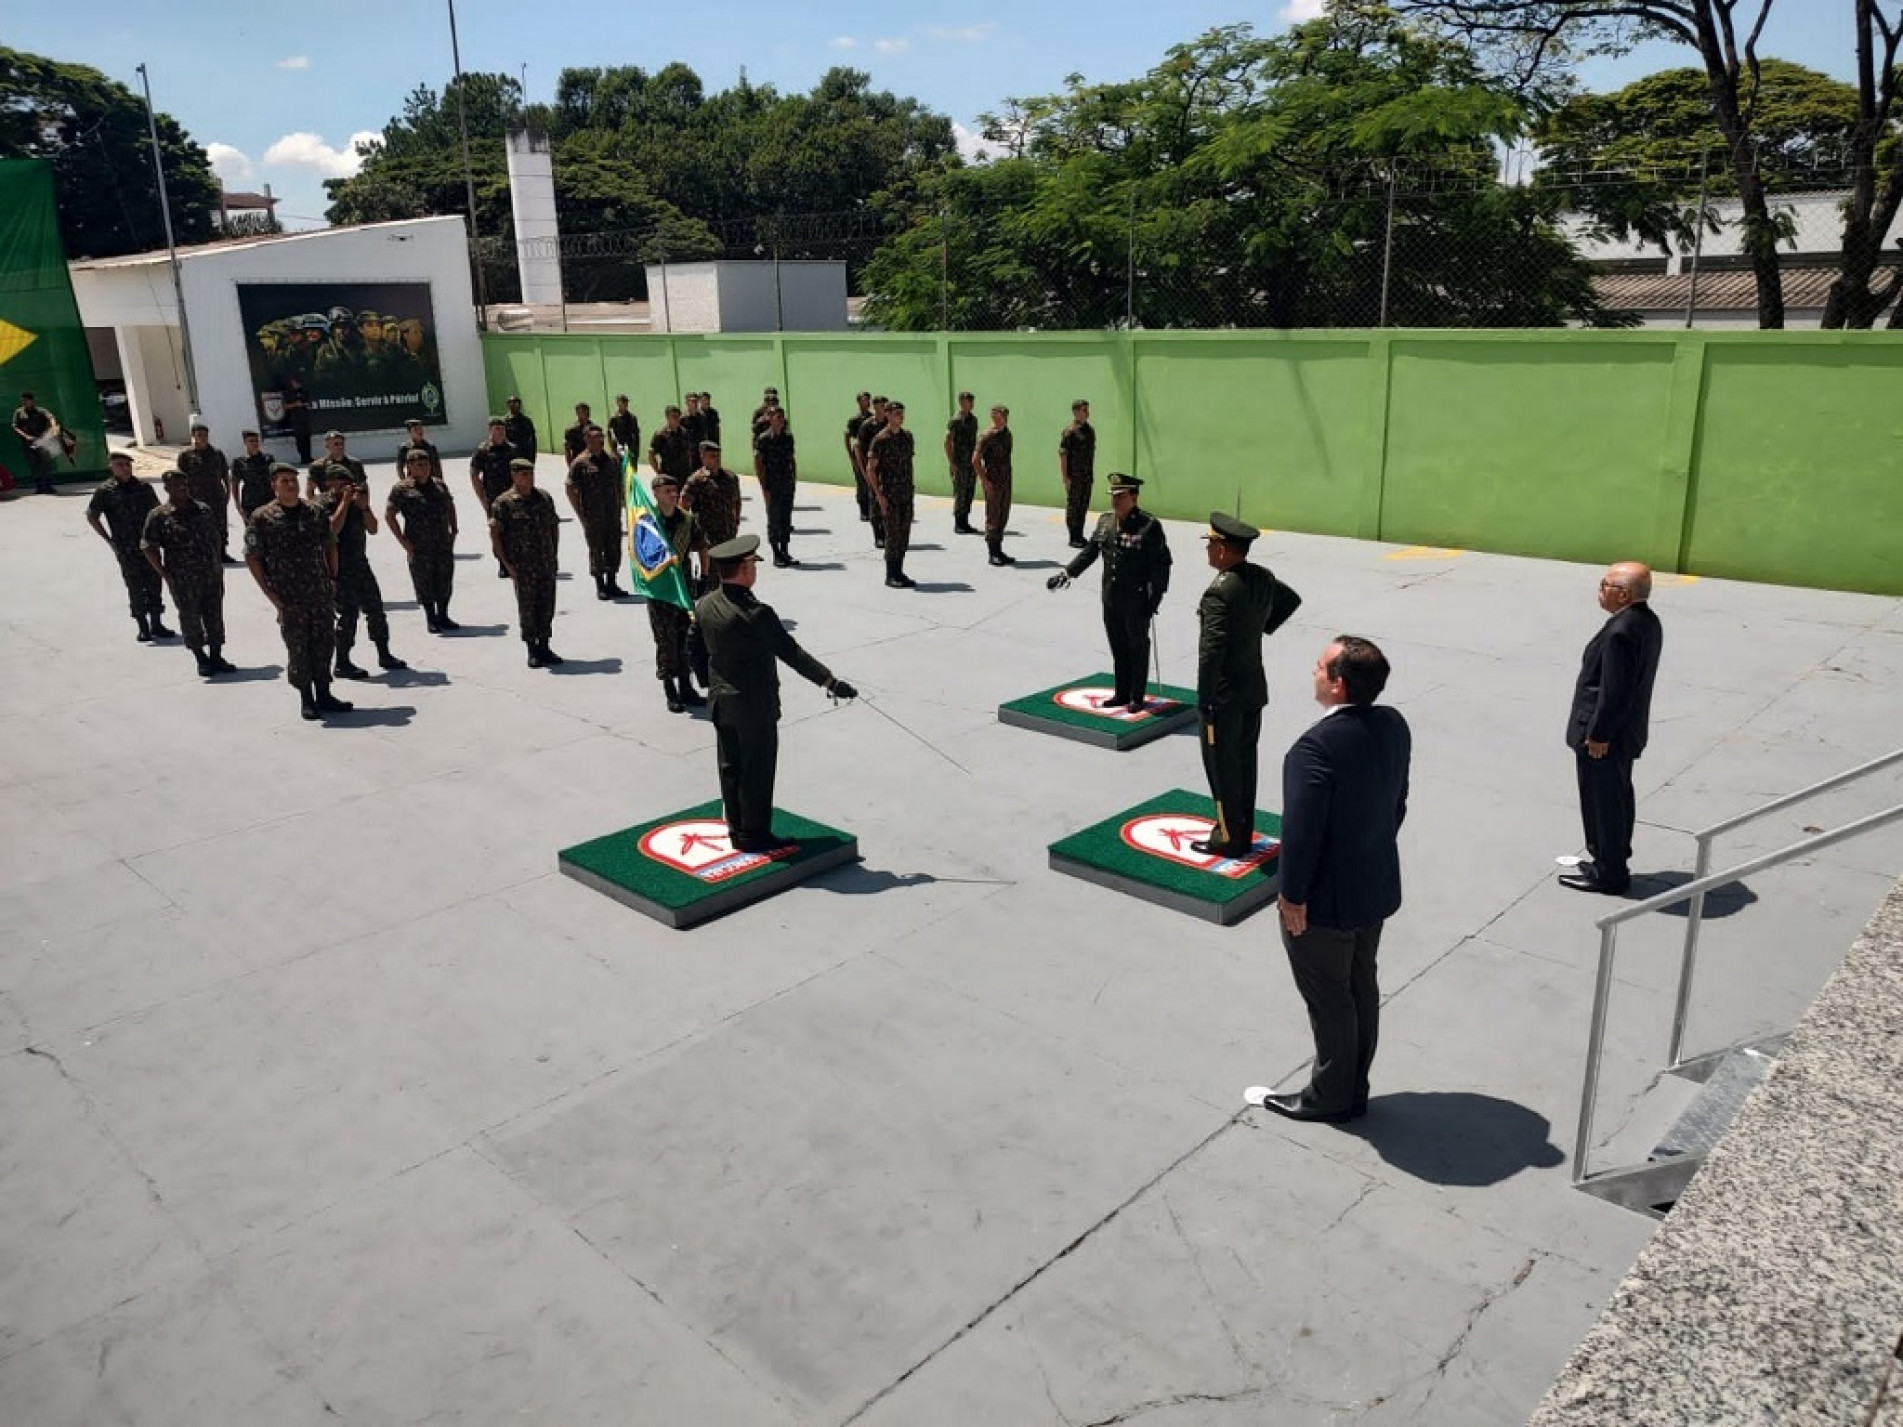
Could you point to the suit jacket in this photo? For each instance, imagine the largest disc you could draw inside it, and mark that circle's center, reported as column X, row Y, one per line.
column 1242, row 604
column 745, row 642
column 1612, row 701
column 1344, row 796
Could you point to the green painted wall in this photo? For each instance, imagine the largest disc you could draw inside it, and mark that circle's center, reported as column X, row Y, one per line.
column 1751, row 455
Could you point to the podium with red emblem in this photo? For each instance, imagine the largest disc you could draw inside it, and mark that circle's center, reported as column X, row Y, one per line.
column 1146, row 852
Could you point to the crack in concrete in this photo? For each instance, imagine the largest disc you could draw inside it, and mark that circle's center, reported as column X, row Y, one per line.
column 1439, row 1371
column 1367, row 1189
column 1209, row 1291
column 1035, row 1274
column 1178, row 1399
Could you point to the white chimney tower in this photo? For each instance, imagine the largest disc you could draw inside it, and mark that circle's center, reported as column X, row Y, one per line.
column 537, row 233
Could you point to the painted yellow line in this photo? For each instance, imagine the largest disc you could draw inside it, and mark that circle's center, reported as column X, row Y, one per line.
column 1675, row 579
column 1424, row 552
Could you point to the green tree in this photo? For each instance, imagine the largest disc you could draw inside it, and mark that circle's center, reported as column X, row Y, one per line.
column 92, row 130
column 1245, row 182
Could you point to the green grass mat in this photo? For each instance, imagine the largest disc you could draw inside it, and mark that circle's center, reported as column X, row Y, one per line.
column 1106, row 846
column 1164, row 699
column 618, row 857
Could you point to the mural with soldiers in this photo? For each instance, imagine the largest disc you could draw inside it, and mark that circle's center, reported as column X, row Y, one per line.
column 361, row 355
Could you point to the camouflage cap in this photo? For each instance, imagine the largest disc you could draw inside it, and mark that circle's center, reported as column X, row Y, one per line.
column 283, row 468
column 338, row 471
column 174, row 477
column 521, row 463
column 664, row 479
column 710, row 445
column 125, row 456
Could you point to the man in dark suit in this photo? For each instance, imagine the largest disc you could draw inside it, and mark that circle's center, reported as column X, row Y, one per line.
column 1606, row 729
column 743, row 641
column 1242, row 604
column 1344, row 795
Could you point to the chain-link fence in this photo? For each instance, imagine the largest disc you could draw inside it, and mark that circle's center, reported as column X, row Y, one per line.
column 1463, row 240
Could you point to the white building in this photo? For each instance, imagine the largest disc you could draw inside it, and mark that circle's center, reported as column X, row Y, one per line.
column 310, row 306
column 764, row 296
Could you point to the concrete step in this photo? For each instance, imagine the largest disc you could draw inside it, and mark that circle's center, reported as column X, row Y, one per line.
column 1710, row 1114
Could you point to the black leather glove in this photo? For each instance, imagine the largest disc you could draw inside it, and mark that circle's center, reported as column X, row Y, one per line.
column 1059, row 581
column 840, row 689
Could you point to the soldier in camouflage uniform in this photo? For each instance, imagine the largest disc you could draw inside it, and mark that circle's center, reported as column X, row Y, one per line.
column 575, row 438
column 777, row 470
column 769, row 399
column 709, row 418
column 624, row 432
column 525, row 532
column 519, row 430
column 869, row 430
column 422, row 517
column 489, row 471
column 889, row 473
column 414, row 440
column 292, row 552
column 205, row 466
column 335, row 454
column 117, row 513
column 595, row 493
column 853, row 424
column 346, row 505
column 181, row 543
column 671, row 448
column 669, row 622
column 694, row 423
column 713, row 494
column 251, row 477
column 1136, row 574
column 991, row 461
column 961, row 441
column 1077, row 464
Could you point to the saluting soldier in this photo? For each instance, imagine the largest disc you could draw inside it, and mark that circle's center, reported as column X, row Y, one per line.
column 869, row 431
column 1242, row 605
column 624, row 432
column 692, row 421
column 667, row 621
column 251, row 477
column 991, row 462
column 961, row 442
column 422, row 517
column 335, row 454
column 1136, row 575
column 117, row 513
column 889, row 473
column 205, row 466
column 597, row 498
column 671, row 449
column 745, row 641
column 525, row 531
column 575, row 438
column 853, row 423
column 713, row 494
column 292, row 552
column 1077, row 464
column 777, row 470
column 519, row 430
column 414, row 440
column 346, row 505
column 709, row 418
column 769, row 400
column 181, row 544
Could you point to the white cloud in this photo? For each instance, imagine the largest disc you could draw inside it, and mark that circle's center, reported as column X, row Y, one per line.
column 305, row 150
column 1298, row 11
column 964, row 34
column 231, row 164
column 295, row 62
column 844, row 42
column 892, row 47
column 971, row 146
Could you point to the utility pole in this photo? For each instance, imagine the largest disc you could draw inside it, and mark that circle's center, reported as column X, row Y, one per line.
column 469, row 174
column 178, row 279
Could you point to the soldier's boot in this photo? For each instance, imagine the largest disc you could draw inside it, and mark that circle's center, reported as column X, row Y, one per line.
column 601, row 588
column 144, row 635
column 689, row 694
column 615, row 592
column 502, row 571
column 998, row 557
column 326, row 704
column 549, row 656
column 204, row 664
column 346, row 670
column 431, row 620
column 674, row 701
column 535, row 654
column 159, row 631
column 219, row 664
column 896, row 578
column 387, row 660
column 307, row 703
column 443, row 621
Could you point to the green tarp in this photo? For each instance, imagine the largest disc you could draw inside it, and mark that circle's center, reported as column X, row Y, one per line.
column 42, row 345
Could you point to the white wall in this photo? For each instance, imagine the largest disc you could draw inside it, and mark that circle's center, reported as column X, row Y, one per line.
column 759, row 296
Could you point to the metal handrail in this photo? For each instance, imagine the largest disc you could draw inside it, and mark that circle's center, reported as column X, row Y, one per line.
column 1695, row 917
column 1609, row 940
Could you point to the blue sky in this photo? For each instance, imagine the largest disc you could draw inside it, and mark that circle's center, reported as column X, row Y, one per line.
column 277, row 92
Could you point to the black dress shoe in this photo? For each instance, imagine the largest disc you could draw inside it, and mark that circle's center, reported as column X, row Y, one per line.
column 1293, row 1107
column 1209, row 847
column 1077, row 542
column 1590, row 882
column 1115, row 701
column 347, row 670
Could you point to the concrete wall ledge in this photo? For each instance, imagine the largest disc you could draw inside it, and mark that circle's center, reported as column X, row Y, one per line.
column 1773, row 1293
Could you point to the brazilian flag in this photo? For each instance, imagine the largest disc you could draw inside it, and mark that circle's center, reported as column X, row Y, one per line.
column 42, row 345
column 655, row 567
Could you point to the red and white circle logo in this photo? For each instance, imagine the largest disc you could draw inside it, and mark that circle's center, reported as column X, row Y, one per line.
column 1169, row 835
column 1088, row 699
column 700, row 848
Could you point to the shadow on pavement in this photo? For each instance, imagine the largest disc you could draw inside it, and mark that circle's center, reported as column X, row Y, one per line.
column 942, row 587
column 1724, row 901
column 811, row 565
column 586, row 666
column 1457, row 1136
column 413, row 678
column 857, row 880
column 396, row 716
column 475, row 631
column 258, row 675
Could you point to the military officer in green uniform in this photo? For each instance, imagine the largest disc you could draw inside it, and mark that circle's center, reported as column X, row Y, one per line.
column 489, row 471
column 991, row 463
column 1077, row 464
column 624, row 432
column 889, row 458
column 519, row 430
column 525, row 532
column 345, row 503
column 422, row 517
column 853, row 425
column 181, row 544
column 744, row 643
column 117, row 513
column 668, row 622
column 961, row 441
column 1136, row 574
column 251, row 477
column 776, row 467
column 335, row 454
column 292, row 552
column 575, row 438
column 713, row 494
column 415, row 440
column 1242, row 604
column 209, row 473
column 870, row 430
column 671, row 448
column 769, row 401
column 598, row 500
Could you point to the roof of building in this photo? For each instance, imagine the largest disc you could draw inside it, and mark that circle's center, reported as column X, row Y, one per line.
column 200, row 250
column 1719, row 290
column 242, row 199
